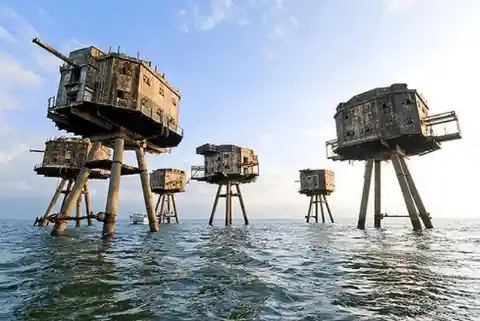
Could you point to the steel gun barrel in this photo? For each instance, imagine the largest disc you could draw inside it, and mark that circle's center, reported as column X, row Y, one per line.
column 55, row 52
column 36, row 151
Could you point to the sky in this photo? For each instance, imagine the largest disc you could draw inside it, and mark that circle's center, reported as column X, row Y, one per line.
column 263, row 74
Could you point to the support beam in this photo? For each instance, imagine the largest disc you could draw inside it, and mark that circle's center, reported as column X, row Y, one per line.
column 147, row 192
column 168, row 208
column 88, row 210
column 82, row 177
column 328, row 208
column 309, row 213
column 65, row 192
column 215, row 204
column 242, row 204
column 407, row 196
column 411, row 196
column 367, row 179
column 174, row 204
column 158, row 203
column 54, row 201
column 319, row 201
column 79, row 211
column 111, row 209
column 229, row 203
column 416, row 195
column 378, row 194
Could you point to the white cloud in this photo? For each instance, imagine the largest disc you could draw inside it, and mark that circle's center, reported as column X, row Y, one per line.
column 44, row 15
column 6, row 36
column 272, row 18
column 21, row 30
column 13, row 74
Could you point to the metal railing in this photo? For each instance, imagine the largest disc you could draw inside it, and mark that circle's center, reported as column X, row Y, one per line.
column 197, row 172
column 443, row 127
column 330, row 147
column 166, row 120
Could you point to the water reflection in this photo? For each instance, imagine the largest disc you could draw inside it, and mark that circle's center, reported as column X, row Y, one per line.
column 396, row 280
column 74, row 278
column 266, row 271
column 226, row 289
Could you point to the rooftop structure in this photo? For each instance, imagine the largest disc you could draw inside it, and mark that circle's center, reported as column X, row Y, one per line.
column 226, row 165
column 317, row 184
column 390, row 123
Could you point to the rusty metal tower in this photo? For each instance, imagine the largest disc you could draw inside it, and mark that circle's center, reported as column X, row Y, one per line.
column 166, row 182
column 317, row 184
column 120, row 102
column 63, row 158
column 390, row 124
column 229, row 166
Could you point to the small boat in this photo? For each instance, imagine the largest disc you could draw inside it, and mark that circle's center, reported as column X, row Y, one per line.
column 138, row 218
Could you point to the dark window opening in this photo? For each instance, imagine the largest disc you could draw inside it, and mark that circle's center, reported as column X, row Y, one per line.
column 146, row 79
column 408, row 121
column 122, row 94
column 75, row 77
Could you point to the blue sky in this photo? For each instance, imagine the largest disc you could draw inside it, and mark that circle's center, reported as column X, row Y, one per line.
column 261, row 73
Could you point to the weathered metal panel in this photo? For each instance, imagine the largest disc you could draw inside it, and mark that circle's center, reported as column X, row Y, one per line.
column 70, row 152
column 228, row 160
column 423, row 113
column 317, row 181
column 168, row 179
column 157, row 99
column 206, row 149
column 118, row 80
column 381, row 113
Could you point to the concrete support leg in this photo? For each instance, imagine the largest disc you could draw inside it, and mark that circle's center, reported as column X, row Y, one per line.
column 174, row 204
column 147, row 192
column 310, row 209
column 328, row 208
column 54, row 201
column 88, row 209
column 316, row 208
column 215, row 203
column 79, row 211
column 242, row 204
column 157, row 205
column 407, row 196
column 161, row 214
column 169, row 206
column 111, row 209
column 424, row 215
column 67, row 207
column 319, row 201
column 228, row 204
column 65, row 192
column 378, row 194
column 367, row 179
